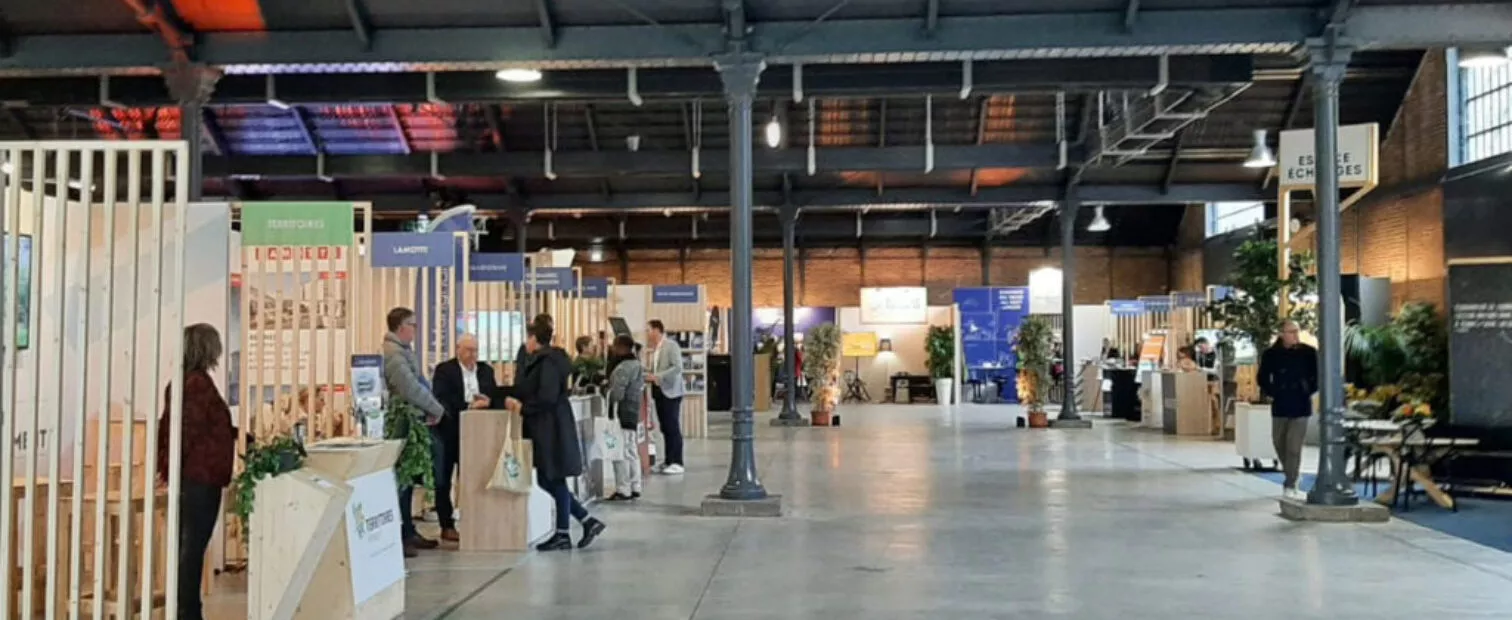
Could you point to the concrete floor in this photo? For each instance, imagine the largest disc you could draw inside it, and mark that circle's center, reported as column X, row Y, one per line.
column 910, row 511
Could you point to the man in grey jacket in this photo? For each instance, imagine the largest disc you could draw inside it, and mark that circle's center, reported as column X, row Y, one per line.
column 666, row 379
column 406, row 381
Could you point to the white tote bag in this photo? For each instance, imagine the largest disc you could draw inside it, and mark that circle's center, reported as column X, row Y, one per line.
column 512, row 469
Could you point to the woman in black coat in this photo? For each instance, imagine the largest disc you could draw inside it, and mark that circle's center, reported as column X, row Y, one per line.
column 541, row 398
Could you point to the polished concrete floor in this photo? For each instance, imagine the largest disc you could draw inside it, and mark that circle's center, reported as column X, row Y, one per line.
column 921, row 512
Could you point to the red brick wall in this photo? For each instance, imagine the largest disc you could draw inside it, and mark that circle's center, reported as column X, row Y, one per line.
column 835, row 277
column 1403, row 238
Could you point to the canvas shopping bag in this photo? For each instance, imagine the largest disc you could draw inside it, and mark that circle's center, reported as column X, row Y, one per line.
column 511, row 471
column 605, row 444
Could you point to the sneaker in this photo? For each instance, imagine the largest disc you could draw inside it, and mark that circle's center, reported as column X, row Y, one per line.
column 591, row 530
column 673, row 470
column 1294, row 494
column 619, row 497
column 634, row 495
column 557, row 542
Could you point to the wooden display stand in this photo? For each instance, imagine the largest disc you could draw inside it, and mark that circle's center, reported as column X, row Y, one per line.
column 503, row 522
column 689, row 321
column 313, row 528
column 1185, row 405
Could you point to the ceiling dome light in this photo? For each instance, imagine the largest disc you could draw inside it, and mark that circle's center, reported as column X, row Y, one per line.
column 519, row 75
column 1482, row 57
column 774, row 133
column 1261, row 155
column 1099, row 222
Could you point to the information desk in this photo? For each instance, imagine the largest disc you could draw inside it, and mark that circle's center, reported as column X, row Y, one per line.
column 505, row 521
column 1184, row 406
column 324, row 541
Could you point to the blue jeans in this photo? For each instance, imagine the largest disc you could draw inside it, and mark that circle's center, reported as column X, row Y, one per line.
column 566, row 504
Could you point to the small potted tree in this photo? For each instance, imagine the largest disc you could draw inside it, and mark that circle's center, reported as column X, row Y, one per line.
column 1033, row 345
column 821, row 366
column 939, row 349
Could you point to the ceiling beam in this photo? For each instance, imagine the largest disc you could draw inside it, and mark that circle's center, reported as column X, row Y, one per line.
column 548, row 25
column 362, row 26
column 618, row 162
column 1193, row 31
column 819, row 200
column 855, row 80
column 1131, row 15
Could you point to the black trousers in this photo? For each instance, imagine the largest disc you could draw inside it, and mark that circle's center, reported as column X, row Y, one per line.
column 669, row 419
column 445, row 454
column 199, row 507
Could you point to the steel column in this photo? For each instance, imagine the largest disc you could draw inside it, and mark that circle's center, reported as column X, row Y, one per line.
column 740, row 72
column 191, row 85
column 1329, row 59
column 789, row 415
column 1068, row 417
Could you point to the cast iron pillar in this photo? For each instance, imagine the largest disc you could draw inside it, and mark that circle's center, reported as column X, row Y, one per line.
column 789, row 415
column 1330, row 57
column 520, row 217
column 740, row 70
column 1068, row 417
column 191, row 85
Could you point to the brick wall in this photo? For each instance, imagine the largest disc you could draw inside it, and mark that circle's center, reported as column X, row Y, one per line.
column 835, row 277
column 1186, row 264
column 1402, row 238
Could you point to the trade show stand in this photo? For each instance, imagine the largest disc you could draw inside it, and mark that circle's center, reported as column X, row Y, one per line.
column 1185, row 406
column 324, row 540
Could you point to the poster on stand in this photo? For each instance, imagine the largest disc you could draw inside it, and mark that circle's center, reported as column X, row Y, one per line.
column 374, row 548
column 367, row 394
column 990, row 319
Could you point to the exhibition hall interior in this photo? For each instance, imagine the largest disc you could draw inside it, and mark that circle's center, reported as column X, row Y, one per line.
column 743, row 309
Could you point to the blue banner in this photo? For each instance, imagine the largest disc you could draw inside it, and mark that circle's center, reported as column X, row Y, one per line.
column 675, row 294
column 552, row 279
column 413, row 249
column 990, row 319
column 1126, row 307
column 1189, row 299
column 595, row 288
column 1220, row 293
column 496, row 268
column 1156, row 303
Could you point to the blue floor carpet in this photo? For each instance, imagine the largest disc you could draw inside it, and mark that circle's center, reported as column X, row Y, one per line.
column 1484, row 521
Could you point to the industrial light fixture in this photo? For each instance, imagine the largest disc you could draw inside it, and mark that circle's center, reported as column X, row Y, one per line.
column 774, row 133
column 595, row 253
column 1099, row 222
column 518, row 75
column 1482, row 57
column 1260, row 155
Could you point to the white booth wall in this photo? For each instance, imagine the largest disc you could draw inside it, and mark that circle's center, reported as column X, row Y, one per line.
column 907, row 355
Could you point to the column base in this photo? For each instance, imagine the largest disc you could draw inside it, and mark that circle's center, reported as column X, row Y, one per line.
column 1363, row 512
column 1077, row 423
column 716, row 506
column 793, row 421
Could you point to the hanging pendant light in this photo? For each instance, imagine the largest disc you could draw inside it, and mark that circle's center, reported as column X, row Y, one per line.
column 1261, row 155
column 774, row 133
column 1099, row 223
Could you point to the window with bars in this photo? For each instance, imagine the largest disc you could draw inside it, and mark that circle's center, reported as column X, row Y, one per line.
column 1225, row 217
column 1485, row 99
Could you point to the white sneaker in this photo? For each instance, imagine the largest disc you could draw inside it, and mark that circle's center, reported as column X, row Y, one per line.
column 1294, row 494
column 672, row 470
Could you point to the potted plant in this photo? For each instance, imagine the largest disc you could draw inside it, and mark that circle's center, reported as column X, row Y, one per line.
column 1033, row 345
column 264, row 460
column 1403, row 362
column 821, row 366
column 415, row 466
column 939, row 348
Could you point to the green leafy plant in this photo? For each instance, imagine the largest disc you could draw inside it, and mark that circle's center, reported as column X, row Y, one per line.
column 1409, row 354
column 821, row 363
column 402, row 421
column 939, row 347
column 1033, row 345
column 1252, row 310
column 589, row 369
column 264, row 460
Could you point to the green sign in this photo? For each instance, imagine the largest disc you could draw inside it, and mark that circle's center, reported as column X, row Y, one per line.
column 296, row 223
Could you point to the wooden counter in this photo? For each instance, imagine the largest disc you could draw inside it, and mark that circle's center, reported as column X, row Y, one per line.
column 504, row 521
column 1185, row 408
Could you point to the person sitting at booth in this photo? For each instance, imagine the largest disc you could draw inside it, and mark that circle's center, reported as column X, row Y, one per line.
column 209, row 452
column 626, row 384
column 460, row 383
column 541, row 398
column 1184, row 361
column 401, row 371
column 1207, row 357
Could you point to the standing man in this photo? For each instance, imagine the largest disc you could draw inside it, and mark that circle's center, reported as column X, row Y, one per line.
column 666, row 379
column 401, row 371
column 461, row 383
column 1288, row 375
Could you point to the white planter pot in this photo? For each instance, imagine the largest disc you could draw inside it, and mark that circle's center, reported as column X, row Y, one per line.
column 945, row 391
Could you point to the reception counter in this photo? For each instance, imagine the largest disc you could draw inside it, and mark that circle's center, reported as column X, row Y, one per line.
column 1184, row 406
column 506, row 521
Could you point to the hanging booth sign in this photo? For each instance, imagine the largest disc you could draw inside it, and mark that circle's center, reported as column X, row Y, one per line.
column 675, row 294
column 1156, row 303
column 552, row 279
column 1126, row 307
column 297, row 224
column 390, row 250
column 862, row 344
column 898, row 305
column 1356, row 163
column 595, row 288
column 1188, row 299
column 496, row 268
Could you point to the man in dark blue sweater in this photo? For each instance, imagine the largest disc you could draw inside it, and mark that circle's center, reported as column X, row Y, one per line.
column 1289, row 377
